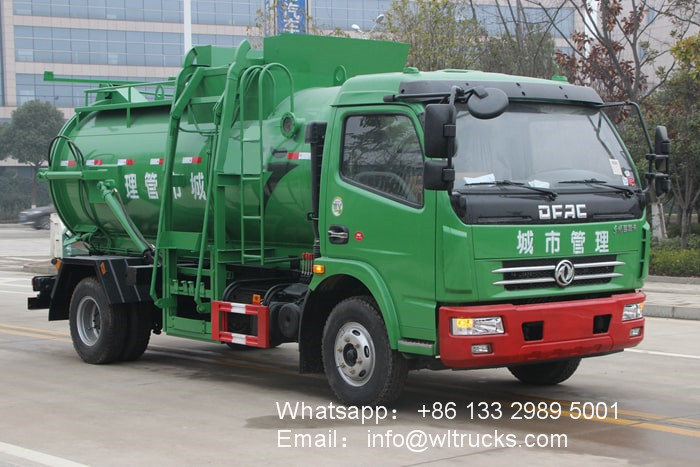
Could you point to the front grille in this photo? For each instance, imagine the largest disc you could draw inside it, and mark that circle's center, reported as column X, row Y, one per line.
column 539, row 273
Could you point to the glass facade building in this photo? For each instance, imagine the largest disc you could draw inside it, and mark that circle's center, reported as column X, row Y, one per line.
column 143, row 39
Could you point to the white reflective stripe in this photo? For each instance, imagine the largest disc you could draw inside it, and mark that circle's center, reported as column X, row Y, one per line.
column 238, row 338
column 121, row 162
column 238, row 308
column 156, row 161
column 298, row 156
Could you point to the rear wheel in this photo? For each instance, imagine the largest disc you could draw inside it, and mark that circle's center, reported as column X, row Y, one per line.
column 545, row 374
column 360, row 365
column 97, row 328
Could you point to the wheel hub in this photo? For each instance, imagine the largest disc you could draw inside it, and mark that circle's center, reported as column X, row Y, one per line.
column 88, row 321
column 354, row 356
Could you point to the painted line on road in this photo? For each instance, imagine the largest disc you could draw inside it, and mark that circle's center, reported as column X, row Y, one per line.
column 36, row 333
column 21, row 282
column 36, row 456
column 663, row 354
column 42, row 331
column 37, row 336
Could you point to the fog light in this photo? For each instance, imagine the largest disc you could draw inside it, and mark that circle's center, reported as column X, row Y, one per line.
column 481, row 348
column 635, row 332
column 476, row 326
column 632, row 311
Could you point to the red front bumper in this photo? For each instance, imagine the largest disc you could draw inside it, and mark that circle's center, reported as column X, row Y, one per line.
column 567, row 330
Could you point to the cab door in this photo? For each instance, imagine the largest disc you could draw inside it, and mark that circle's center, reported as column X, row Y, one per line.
column 377, row 211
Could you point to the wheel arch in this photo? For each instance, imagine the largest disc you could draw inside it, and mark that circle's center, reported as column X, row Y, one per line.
column 355, row 279
column 110, row 272
column 69, row 276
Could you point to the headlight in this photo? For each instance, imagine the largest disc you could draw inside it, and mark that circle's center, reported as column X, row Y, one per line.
column 632, row 311
column 476, row 326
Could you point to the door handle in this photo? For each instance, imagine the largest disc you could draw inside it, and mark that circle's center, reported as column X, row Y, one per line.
column 338, row 234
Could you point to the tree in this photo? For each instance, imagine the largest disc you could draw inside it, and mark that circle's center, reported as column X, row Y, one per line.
column 677, row 105
column 442, row 33
column 28, row 135
column 613, row 52
column 524, row 45
column 687, row 52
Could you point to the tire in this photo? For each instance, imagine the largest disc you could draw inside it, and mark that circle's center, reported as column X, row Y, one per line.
column 545, row 374
column 374, row 377
column 98, row 330
column 138, row 332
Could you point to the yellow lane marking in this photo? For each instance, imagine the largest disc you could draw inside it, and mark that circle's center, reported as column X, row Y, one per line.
column 36, row 336
column 44, row 331
column 646, row 425
column 629, row 413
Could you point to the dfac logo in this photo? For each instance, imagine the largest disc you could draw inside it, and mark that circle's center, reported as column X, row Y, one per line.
column 564, row 273
column 562, row 211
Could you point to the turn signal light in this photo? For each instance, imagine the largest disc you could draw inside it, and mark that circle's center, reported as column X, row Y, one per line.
column 477, row 326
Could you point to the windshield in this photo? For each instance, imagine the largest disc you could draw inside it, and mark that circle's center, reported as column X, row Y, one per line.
column 540, row 145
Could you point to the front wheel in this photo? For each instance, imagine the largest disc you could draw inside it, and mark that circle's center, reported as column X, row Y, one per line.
column 359, row 363
column 98, row 329
column 545, row 374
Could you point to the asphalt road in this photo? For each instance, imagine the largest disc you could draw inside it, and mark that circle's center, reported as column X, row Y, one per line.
column 191, row 403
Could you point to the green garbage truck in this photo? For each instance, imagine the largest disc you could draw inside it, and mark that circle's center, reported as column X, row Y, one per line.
column 386, row 219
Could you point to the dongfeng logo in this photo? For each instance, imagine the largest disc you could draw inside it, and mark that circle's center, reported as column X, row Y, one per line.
column 564, row 273
column 562, row 211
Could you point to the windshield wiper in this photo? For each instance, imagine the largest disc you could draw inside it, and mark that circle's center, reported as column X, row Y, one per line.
column 552, row 195
column 594, row 181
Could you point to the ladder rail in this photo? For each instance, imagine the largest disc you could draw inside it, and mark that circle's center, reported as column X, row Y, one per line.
column 263, row 73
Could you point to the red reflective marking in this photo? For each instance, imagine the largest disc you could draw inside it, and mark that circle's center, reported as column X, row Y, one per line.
column 359, row 236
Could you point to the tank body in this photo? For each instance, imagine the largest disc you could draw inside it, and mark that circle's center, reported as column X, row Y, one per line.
column 127, row 152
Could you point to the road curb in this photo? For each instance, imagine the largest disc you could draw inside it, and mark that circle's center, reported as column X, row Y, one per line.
column 674, row 279
column 673, row 312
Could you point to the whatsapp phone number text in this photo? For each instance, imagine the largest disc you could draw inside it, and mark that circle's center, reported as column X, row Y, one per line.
column 543, row 410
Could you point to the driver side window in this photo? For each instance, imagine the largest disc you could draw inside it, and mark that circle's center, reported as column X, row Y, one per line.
column 383, row 154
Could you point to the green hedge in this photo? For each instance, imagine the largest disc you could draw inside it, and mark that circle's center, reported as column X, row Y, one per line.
column 674, row 262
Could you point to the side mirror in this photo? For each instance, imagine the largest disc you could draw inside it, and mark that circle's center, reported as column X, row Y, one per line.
column 662, row 145
column 487, row 103
column 437, row 175
column 662, row 148
column 439, row 130
column 662, row 185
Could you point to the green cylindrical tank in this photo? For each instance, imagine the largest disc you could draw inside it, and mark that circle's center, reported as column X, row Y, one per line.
column 124, row 148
